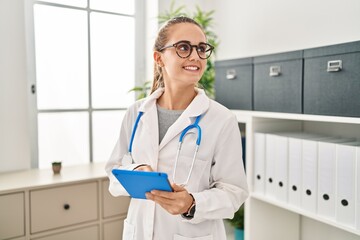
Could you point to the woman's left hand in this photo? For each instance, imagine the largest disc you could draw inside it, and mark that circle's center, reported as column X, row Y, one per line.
column 177, row 202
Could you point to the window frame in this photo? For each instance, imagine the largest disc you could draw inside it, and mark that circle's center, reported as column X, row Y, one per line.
column 140, row 67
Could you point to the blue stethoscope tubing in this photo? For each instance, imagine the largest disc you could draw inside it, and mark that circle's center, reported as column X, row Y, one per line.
column 181, row 139
column 198, row 141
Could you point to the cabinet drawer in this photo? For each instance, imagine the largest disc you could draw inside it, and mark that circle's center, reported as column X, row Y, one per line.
column 89, row 233
column 278, row 82
column 233, row 83
column 12, row 215
column 63, row 206
column 113, row 230
column 113, row 206
column 332, row 80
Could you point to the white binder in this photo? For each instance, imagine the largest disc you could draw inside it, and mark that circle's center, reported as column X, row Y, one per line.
column 259, row 163
column 327, row 177
column 345, row 179
column 270, row 165
column 281, row 167
column 295, row 166
column 309, row 174
column 294, row 162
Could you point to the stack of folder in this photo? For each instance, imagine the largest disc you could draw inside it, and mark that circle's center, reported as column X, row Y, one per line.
column 315, row 173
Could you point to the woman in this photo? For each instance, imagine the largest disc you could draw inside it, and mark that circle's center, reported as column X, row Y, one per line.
column 215, row 187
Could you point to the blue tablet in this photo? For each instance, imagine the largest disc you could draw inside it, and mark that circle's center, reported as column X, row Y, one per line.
column 137, row 183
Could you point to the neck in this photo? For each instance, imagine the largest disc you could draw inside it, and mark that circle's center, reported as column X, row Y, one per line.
column 177, row 99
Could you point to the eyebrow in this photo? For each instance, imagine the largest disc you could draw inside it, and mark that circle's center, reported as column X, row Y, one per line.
column 187, row 41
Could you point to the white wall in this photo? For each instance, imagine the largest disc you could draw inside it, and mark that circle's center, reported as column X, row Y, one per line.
column 245, row 28
column 152, row 9
column 14, row 126
column 257, row 27
column 190, row 5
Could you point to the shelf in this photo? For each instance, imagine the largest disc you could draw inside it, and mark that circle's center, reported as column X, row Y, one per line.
column 303, row 213
column 44, row 177
column 245, row 116
column 299, row 223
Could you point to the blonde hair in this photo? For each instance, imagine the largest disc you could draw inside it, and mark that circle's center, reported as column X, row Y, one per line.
column 160, row 41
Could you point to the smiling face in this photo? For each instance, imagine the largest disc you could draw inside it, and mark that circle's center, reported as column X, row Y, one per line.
column 182, row 72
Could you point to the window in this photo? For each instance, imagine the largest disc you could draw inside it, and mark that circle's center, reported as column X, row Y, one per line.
column 85, row 66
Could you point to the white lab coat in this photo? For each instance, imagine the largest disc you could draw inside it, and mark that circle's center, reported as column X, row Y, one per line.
column 218, row 181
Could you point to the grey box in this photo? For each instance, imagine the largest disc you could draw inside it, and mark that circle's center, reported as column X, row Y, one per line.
column 278, row 82
column 233, row 83
column 332, row 80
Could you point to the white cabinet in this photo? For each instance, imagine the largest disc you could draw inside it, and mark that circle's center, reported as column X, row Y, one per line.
column 88, row 233
column 63, row 206
column 113, row 229
column 35, row 204
column 272, row 219
column 12, row 215
column 113, row 206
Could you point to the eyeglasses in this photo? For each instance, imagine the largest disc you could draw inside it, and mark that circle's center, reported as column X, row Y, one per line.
column 184, row 49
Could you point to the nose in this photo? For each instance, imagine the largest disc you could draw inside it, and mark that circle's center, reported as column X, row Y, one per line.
column 194, row 54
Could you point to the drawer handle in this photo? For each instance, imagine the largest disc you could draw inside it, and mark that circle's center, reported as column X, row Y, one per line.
column 66, row 206
column 326, row 197
column 274, row 71
column 334, row 66
column 230, row 74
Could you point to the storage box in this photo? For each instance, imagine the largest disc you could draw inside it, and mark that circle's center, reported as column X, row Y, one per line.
column 278, row 82
column 332, row 80
column 233, row 83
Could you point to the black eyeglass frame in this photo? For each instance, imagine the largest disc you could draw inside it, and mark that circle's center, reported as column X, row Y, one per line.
column 211, row 48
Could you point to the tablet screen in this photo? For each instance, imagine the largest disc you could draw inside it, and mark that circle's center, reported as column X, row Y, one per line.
column 137, row 183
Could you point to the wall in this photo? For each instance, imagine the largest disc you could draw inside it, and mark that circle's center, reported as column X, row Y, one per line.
column 245, row 28
column 14, row 126
column 190, row 5
column 257, row 27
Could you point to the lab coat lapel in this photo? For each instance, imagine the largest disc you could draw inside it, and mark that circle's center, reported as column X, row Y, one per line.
column 197, row 107
column 150, row 136
column 150, row 127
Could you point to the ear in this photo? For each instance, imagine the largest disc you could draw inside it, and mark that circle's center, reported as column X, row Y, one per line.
column 157, row 58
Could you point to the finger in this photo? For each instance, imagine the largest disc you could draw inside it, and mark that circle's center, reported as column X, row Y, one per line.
column 149, row 196
column 164, row 194
column 169, row 208
column 173, row 207
column 145, row 168
column 162, row 200
column 177, row 188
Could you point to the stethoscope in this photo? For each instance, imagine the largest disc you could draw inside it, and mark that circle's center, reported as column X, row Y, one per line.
column 181, row 139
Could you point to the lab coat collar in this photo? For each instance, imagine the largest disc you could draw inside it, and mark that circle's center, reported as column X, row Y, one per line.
column 198, row 106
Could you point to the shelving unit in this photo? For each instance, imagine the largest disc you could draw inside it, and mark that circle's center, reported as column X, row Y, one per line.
column 270, row 219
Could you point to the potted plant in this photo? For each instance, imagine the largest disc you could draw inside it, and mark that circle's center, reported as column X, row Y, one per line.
column 56, row 167
column 205, row 19
column 238, row 223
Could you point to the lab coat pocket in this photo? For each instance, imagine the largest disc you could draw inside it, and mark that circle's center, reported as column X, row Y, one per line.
column 129, row 231
column 197, row 175
column 178, row 237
